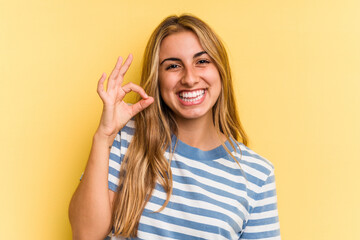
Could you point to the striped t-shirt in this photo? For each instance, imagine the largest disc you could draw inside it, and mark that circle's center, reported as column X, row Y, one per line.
column 211, row 198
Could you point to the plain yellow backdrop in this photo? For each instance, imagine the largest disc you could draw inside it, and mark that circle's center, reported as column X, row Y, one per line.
column 296, row 66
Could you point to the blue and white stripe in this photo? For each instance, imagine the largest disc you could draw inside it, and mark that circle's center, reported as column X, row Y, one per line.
column 211, row 199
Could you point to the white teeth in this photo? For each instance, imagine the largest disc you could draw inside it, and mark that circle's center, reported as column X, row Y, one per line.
column 192, row 96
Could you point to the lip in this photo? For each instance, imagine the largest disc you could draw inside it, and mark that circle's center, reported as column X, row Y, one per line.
column 194, row 102
column 190, row 90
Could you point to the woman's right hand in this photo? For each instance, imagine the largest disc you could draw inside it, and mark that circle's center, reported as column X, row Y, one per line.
column 116, row 113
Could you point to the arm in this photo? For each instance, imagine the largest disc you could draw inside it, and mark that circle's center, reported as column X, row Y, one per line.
column 91, row 205
column 263, row 222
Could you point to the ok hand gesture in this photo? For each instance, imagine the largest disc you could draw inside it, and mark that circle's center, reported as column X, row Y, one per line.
column 116, row 113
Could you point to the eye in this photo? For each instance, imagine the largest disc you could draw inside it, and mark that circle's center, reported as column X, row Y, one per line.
column 171, row 66
column 203, row 61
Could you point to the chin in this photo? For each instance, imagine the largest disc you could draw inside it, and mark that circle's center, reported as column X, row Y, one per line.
column 192, row 115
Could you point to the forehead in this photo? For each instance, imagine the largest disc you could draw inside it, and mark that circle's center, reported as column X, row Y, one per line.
column 180, row 44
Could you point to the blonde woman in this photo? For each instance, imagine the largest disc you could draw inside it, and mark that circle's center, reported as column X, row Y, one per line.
column 174, row 165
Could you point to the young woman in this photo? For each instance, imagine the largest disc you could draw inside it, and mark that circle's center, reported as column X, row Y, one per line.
column 175, row 164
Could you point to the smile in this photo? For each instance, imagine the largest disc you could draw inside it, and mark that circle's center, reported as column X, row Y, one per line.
column 191, row 97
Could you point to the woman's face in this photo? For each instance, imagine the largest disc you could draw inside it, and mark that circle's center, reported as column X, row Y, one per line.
column 189, row 80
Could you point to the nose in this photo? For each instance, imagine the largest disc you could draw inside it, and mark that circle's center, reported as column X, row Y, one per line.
column 190, row 77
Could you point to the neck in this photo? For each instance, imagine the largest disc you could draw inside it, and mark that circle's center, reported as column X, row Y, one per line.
column 199, row 133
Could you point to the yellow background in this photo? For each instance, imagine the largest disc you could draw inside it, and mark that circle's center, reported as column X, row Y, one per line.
column 296, row 66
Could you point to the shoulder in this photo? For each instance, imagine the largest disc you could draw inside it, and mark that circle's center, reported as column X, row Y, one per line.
column 257, row 168
column 254, row 157
column 122, row 141
column 127, row 132
column 117, row 153
column 129, row 128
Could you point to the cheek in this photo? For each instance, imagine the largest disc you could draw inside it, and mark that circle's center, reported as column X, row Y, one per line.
column 167, row 84
column 162, row 83
column 165, row 90
column 163, row 87
column 217, row 85
column 215, row 79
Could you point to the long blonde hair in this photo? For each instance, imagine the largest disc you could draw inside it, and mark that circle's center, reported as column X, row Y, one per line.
column 144, row 163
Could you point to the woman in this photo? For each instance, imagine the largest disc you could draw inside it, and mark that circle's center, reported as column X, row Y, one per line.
column 179, row 167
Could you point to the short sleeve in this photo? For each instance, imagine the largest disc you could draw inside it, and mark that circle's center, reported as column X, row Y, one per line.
column 263, row 221
column 115, row 163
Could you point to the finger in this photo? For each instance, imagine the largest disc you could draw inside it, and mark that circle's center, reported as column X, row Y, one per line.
column 100, row 85
column 115, row 73
column 135, row 88
column 126, row 65
column 141, row 105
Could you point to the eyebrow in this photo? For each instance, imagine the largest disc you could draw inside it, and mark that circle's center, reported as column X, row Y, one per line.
column 178, row 59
